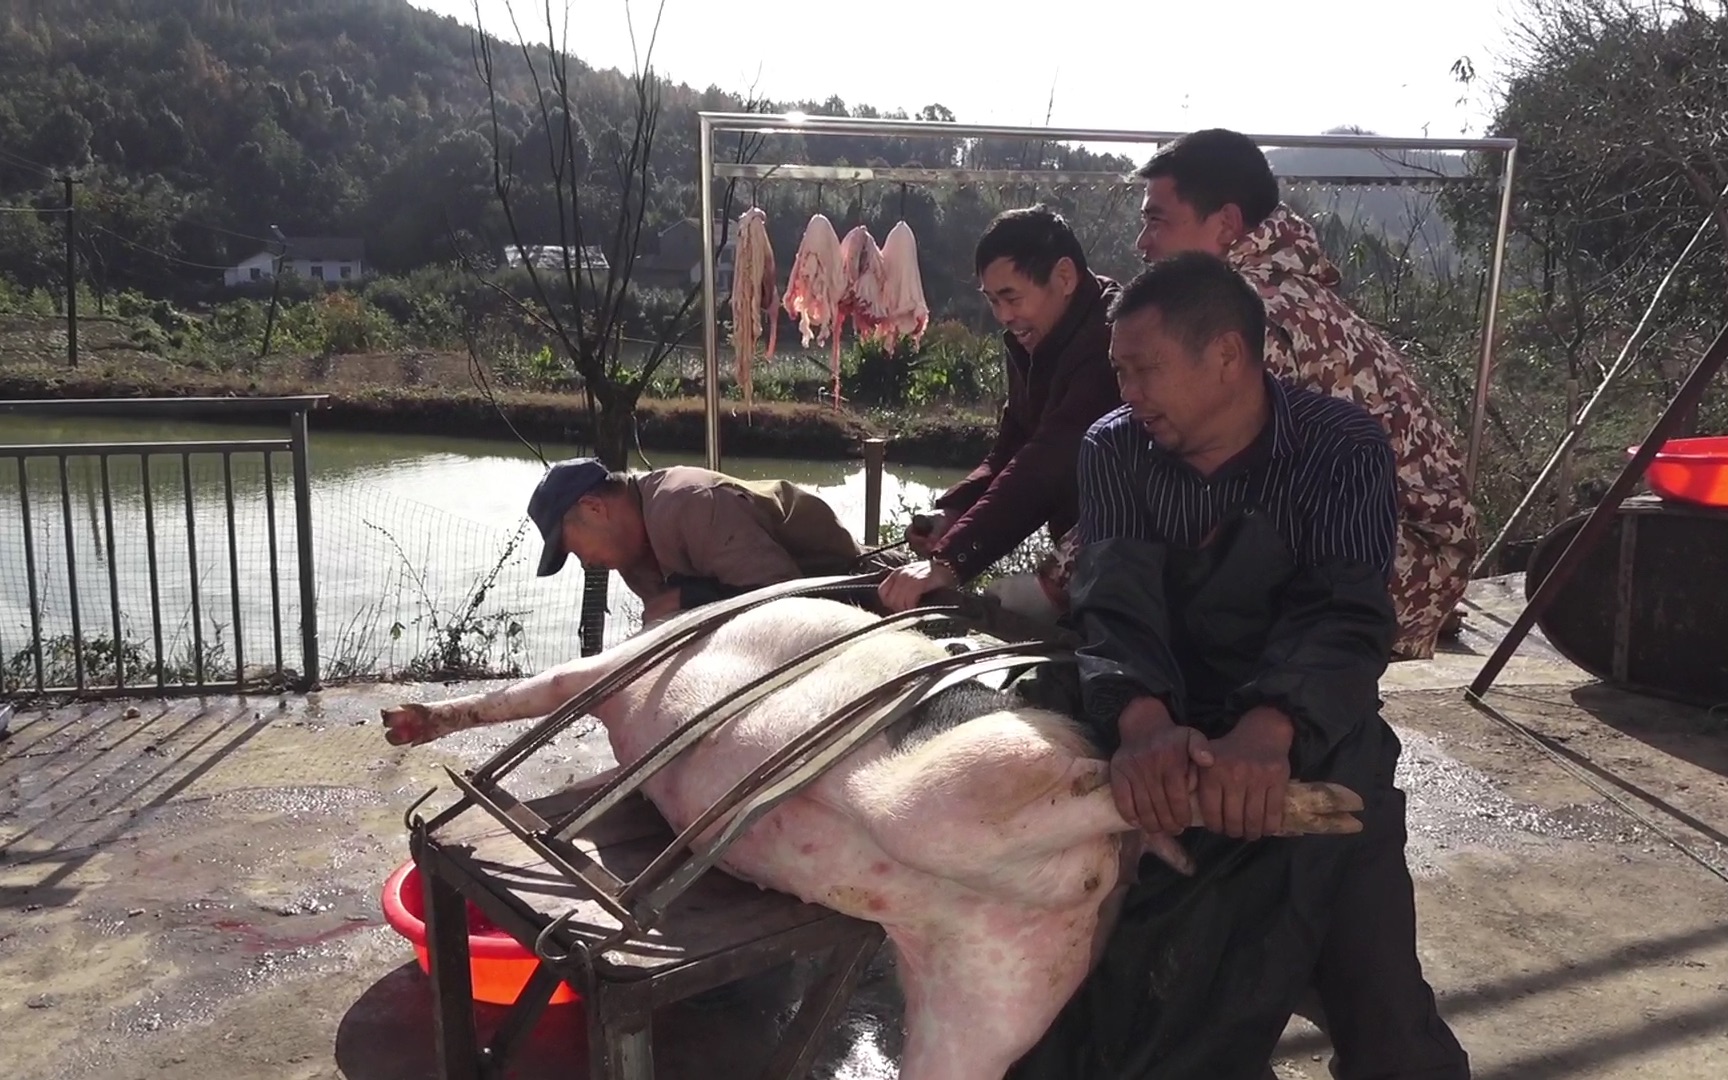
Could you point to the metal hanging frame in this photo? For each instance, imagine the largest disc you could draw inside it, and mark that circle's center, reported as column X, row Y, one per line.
column 716, row 123
column 638, row 904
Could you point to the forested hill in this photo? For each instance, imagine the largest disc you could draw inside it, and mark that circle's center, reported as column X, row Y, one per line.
column 197, row 124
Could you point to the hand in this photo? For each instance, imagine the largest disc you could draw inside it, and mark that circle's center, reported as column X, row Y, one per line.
column 1152, row 776
column 1242, row 792
column 924, row 531
column 661, row 606
column 901, row 590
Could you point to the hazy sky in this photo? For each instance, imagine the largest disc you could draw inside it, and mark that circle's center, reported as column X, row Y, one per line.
column 1134, row 64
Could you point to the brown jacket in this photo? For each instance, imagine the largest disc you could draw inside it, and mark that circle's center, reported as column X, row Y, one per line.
column 739, row 534
column 1029, row 477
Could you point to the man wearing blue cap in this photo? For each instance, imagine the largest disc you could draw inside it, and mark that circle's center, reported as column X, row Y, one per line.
column 684, row 536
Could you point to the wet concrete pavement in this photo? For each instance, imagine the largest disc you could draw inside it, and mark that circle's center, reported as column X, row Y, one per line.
column 190, row 890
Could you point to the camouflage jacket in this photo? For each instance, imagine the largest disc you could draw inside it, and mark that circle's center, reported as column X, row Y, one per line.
column 1313, row 338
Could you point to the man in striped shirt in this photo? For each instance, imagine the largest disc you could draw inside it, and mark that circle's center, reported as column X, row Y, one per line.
column 1237, row 535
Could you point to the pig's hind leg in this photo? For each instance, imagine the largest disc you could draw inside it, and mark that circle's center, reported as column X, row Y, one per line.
column 1013, row 804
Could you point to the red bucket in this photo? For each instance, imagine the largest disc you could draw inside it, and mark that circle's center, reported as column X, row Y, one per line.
column 499, row 967
column 1690, row 470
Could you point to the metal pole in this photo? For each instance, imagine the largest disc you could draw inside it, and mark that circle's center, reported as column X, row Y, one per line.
column 297, row 437
column 770, row 123
column 1485, row 367
column 710, row 312
column 1582, row 419
column 71, row 275
column 875, row 453
column 1597, row 523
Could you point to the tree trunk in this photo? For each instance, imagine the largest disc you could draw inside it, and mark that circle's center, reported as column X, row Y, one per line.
column 611, row 437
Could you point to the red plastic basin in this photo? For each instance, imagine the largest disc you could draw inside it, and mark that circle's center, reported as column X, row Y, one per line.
column 1690, row 470
column 498, row 966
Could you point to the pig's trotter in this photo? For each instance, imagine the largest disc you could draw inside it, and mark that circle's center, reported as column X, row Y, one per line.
column 410, row 724
column 1312, row 809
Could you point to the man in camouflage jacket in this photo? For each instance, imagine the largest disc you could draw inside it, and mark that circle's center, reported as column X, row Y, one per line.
column 1214, row 191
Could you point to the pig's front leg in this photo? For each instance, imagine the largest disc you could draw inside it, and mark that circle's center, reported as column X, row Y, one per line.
column 413, row 723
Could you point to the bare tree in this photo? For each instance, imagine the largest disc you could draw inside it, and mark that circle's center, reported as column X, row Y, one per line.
column 607, row 177
column 600, row 184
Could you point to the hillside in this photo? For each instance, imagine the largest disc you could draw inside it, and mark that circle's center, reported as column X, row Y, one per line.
column 196, row 125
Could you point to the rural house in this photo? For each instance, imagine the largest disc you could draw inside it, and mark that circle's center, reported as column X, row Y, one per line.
column 321, row 258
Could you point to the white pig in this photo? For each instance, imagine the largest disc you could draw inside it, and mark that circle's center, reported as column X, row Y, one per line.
column 985, row 841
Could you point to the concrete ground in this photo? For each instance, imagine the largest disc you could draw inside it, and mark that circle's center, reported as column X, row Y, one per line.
column 190, row 889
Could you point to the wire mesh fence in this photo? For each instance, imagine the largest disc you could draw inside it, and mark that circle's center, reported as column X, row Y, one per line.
column 133, row 584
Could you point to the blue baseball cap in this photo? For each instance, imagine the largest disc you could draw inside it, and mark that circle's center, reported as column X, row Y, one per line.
column 565, row 482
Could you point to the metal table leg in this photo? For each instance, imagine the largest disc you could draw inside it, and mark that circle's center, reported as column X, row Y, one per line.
column 620, row 1041
column 820, row 1010
column 457, row 1042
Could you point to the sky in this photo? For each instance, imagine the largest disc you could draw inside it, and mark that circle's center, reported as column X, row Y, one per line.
column 1270, row 68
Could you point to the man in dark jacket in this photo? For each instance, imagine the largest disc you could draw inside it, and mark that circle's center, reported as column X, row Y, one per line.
column 1032, row 270
column 1237, row 535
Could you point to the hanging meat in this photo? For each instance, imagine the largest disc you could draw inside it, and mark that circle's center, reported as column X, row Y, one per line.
column 753, row 295
column 815, row 287
column 903, row 310
column 866, row 281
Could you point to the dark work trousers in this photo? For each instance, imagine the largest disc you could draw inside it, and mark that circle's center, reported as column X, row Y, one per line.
column 1201, row 975
column 1369, row 995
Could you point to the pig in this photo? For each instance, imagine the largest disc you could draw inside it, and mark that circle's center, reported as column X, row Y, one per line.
column 982, row 836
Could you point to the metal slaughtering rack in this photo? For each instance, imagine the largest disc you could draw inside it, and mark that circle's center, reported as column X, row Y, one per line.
column 639, row 903
column 713, row 123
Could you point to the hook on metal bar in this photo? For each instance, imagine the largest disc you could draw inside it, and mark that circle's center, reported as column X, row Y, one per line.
column 410, row 820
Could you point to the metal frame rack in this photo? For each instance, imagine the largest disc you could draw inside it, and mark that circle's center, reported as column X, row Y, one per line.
column 715, row 123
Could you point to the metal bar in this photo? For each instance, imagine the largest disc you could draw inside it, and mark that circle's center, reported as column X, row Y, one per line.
column 72, row 575
column 113, row 575
column 300, row 449
column 1684, row 400
column 822, row 1007
column 1485, row 366
column 530, row 1005
column 192, row 563
column 187, row 406
column 30, row 573
column 783, row 774
column 233, row 568
column 862, row 174
column 710, row 305
column 875, row 454
column 643, row 651
column 453, row 1030
column 1623, row 598
column 627, row 779
column 275, row 560
column 188, row 447
column 1622, row 363
column 797, row 123
column 602, row 893
column 155, row 578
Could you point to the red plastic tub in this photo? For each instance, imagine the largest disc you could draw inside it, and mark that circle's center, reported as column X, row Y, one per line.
column 1690, row 470
column 498, row 966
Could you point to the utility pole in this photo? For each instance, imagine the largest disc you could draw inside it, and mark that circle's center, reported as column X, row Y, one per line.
column 275, row 288
column 71, row 274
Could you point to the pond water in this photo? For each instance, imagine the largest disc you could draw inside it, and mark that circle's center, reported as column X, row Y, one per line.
column 405, row 530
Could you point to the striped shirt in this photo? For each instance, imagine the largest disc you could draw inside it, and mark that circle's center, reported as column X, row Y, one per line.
column 1322, row 468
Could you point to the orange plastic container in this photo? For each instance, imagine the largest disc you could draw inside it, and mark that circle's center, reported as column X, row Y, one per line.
column 1690, row 470
column 498, row 966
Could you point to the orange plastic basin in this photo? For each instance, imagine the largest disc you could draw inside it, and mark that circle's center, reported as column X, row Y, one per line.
column 498, row 966
column 1690, row 470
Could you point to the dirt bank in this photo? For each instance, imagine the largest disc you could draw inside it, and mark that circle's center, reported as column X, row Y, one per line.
column 435, row 393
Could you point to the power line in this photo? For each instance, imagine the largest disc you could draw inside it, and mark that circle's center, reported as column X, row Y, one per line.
column 159, row 254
